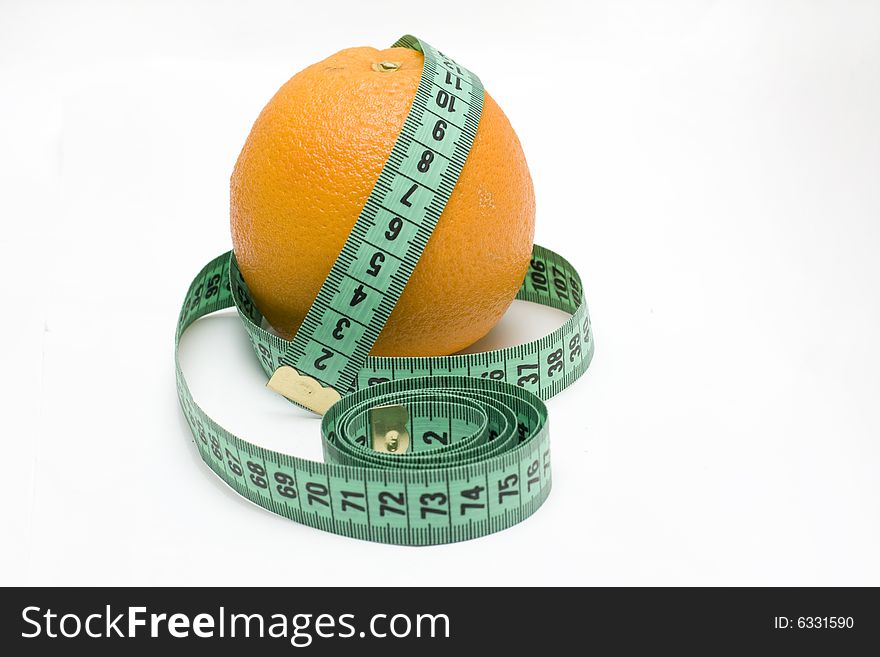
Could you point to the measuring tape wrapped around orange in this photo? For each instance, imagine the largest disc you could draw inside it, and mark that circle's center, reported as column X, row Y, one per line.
column 418, row 450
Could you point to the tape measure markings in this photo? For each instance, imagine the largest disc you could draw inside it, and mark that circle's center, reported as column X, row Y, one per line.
column 362, row 276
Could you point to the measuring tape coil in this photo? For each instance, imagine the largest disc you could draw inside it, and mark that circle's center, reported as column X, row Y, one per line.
column 418, row 450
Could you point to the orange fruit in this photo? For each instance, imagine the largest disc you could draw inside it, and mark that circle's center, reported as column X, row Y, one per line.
column 304, row 174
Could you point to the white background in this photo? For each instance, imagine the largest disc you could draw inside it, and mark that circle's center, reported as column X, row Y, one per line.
column 711, row 168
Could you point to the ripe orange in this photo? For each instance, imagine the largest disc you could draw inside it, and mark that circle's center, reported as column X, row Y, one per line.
column 305, row 172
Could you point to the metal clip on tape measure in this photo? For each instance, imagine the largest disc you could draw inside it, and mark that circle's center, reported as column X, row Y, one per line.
column 418, row 451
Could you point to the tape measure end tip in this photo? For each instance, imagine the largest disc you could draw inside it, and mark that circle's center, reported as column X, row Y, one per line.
column 302, row 390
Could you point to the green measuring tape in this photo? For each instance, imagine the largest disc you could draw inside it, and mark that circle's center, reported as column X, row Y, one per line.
column 418, row 451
